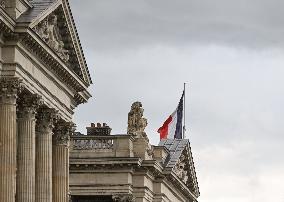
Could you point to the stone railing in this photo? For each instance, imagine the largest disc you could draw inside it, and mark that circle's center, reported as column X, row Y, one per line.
column 91, row 144
column 97, row 146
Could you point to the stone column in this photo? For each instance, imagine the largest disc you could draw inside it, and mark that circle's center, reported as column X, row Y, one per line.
column 8, row 94
column 44, row 127
column 27, row 106
column 60, row 161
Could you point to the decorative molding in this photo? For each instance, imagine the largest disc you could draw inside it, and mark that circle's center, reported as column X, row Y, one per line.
column 62, row 132
column 58, row 68
column 77, row 45
column 106, row 165
column 9, row 90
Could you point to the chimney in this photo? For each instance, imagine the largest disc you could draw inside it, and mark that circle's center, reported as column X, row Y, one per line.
column 99, row 129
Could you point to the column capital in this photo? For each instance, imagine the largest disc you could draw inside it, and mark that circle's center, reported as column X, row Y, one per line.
column 62, row 132
column 9, row 89
column 28, row 105
column 46, row 118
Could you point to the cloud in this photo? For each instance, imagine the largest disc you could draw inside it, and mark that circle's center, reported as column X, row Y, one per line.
column 231, row 55
column 115, row 25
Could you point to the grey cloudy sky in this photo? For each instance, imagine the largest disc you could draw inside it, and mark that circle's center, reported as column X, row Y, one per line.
column 232, row 55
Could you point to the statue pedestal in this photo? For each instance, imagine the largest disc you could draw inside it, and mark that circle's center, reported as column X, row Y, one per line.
column 142, row 148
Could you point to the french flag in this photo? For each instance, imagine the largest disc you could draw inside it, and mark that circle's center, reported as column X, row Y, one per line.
column 172, row 127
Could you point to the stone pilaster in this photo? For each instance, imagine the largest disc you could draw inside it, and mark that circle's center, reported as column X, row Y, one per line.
column 9, row 88
column 44, row 126
column 27, row 106
column 60, row 161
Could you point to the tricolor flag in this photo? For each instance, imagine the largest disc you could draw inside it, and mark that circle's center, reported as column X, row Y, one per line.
column 172, row 127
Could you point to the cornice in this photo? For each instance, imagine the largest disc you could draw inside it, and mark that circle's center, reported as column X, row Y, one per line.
column 47, row 54
column 75, row 37
column 27, row 3
column 192, row 171
column 181, row 186
column 79, row 97
column 7, row 24
column 40, row 85
column 105, row 164
column 55, row 64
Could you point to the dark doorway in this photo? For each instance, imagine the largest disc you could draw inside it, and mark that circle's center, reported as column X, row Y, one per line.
column 92, row 199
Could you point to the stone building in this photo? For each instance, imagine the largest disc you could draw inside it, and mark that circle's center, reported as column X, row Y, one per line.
column 127, row 168
column 43, row 77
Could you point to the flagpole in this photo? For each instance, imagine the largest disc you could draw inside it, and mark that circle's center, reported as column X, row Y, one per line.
column 184, row 111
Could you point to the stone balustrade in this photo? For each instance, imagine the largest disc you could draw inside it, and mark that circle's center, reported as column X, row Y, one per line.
column 91, row 144
column 101, row 146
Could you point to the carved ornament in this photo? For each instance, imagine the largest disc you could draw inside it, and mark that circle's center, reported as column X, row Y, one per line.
column 48, row 30
column 28, row 105
column 46, row 118
column 9, row 89
column 62, row 132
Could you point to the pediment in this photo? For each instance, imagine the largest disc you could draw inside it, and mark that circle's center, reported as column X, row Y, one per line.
column 185, row 171
column 180, row 163
column 55, row 26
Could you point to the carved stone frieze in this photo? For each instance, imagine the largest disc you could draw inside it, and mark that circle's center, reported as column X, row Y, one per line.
column 123, row 198
column 136, row 122
column 9, row 90
column 28, row 105
column 46, row 118
column 62, row 132
column 48, row 30
column 180, row 168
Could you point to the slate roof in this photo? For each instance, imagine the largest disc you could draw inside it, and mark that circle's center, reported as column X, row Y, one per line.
column 39, row 6
column 175, row 147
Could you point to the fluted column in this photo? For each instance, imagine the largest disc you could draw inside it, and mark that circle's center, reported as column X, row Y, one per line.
column 44, row 126
column 60, row 163
column 27, row 106
column 8, row 95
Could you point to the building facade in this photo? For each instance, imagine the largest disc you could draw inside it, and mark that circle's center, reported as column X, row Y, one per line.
column 127, row 168
column 43, row 77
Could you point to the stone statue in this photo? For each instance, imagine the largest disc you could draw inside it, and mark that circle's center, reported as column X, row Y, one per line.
column 49, row 32
column 136, row 122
